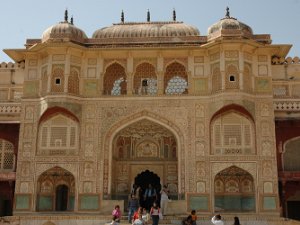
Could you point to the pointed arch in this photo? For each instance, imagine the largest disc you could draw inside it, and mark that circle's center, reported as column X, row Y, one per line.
column 55, row 190
column 232, row 132
column 291, row 154
column 114, row 80
column 145, row 79
column 58, row 133
column 234, row 190
column 175, row 78
column 118, row 126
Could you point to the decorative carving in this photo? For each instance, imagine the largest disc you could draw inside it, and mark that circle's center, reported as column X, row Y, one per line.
column 89, row 149
column 265, row 111
column 199, row 110
column 200, row 149
column 200, row 129
column 29, row 113
column 201, row 187
column 267, row 168
column 200, row 169
column 266, row 148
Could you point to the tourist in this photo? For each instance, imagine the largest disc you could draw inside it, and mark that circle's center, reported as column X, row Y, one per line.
column 217, row 220
column 194, row 217
column 117, row 213
column 145, row 216
column 164, row 198
column 139, row 220
column 187, row 221
column 236, row 221
column 136, row 214
column 133, row 205
column 150, row 196
column 154, row 213
column 114, row 221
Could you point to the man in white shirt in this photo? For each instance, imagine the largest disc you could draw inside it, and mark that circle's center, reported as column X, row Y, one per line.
column 217, row 220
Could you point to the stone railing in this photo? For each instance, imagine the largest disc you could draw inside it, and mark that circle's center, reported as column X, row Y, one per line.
column 288, row 60
column 10, row 108
column 11, row 65
column 286, row 105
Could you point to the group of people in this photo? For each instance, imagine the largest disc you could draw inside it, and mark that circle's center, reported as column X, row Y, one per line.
column 144, row 205
column 149, row 195
column 217, row 219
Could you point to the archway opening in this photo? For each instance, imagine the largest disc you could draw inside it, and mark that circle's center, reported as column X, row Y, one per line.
column 234, row 191
column 143, row 180
column 56, row 190
column 61, row 198
column 140, row 146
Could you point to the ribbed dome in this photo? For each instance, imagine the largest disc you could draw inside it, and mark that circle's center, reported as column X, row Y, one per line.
column 149, row 29
column 64, row 29
column 229, row 26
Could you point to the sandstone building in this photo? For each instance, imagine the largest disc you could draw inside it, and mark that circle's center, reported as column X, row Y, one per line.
column 215, row 117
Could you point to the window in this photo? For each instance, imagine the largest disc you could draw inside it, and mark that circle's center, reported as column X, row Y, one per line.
column 7, row 156
column 58, row 136
column 57, row 81
column 231, row 78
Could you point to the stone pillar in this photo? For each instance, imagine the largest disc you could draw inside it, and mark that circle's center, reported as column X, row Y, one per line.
column 129, row 73
column 222, row 69
column 67, row 72
column 241, row 70
column 49, row 74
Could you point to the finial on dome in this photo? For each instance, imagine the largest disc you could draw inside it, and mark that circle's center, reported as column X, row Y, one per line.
column 122, row 17
column 148, row 16
column 174, row 15
column 72, row 20
column 227, row 12
column 66, row 15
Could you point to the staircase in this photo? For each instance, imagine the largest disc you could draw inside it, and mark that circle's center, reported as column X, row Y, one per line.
column 92, row 219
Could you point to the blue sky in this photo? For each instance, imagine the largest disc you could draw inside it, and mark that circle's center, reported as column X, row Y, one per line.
column 25, row 19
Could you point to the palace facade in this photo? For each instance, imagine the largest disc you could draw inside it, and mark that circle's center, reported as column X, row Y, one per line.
column 214, row 117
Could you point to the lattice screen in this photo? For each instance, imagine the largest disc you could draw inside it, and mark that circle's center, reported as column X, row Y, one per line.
column 113, row 73
column 216, row 80
column 58, row 136
column 145, row 71
column 173, row 71
column 232, row 71
column 73, row 82
column 57, row 73
column 247, row 81
column 7, row 156
column 232, row 134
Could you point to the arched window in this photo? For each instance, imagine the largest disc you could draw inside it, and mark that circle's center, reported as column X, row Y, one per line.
column 115, row 80
column 55, row 190
column 7, row 156
column 176, row 79
column 145, row 80
column 73, row 82
column 57, row 80
column 234, row 191
column 58, row 136
column 291, row 155
column 232, row 133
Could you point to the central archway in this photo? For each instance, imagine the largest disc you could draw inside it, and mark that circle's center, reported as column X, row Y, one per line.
column 147, row 177
column 144, row 143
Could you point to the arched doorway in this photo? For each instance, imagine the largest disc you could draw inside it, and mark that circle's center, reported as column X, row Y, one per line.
column 147, row 177
column 61, row 201
column 234, row 191
column 55, row 190
column 141, row 146
column 143, row 180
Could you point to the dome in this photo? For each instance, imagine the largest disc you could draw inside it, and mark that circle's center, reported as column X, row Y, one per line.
column 64, row 29
column 147, row 29
column 229, row 26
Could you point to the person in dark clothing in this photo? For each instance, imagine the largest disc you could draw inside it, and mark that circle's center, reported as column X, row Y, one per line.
column 150, row 196
column 133, row 205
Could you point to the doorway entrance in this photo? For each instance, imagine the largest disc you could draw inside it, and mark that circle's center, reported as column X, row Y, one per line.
column 61, row 198
column 143, row 180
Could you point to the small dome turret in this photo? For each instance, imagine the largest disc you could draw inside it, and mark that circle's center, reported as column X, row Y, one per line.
column 229, row 27
column 64, row 30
